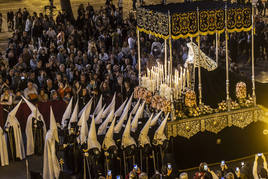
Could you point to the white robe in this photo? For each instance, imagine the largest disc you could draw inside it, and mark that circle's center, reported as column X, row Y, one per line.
column 29, row 133
column 13, row 122
column 3, row 149
column 51, row 168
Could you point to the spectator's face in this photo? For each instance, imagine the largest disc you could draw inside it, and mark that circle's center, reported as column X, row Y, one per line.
column 84, row 91
column 30, row 85
column 49, row 83
column 61, row 85
column 62, row 68
column 6, row 91
column 18, row 93
column 58, row 77
column 20, row 60
column 83, row 78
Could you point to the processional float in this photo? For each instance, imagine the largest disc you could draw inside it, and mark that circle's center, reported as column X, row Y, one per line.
column 163, row 85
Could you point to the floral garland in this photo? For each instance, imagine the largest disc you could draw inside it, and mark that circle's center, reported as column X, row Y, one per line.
column 155, row 101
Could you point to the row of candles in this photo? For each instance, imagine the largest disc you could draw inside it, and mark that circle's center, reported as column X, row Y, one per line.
column 157, row 80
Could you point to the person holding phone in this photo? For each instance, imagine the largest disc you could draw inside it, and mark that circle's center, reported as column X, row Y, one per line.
column 262, row 173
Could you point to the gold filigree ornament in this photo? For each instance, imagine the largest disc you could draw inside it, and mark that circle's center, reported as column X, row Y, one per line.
column 242, row 119
column 216, row 124
column 188, row 129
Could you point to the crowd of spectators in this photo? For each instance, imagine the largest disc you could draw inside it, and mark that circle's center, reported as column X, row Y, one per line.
column 52, row 59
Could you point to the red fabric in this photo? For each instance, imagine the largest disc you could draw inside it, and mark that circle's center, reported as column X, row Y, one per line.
column 44, row 108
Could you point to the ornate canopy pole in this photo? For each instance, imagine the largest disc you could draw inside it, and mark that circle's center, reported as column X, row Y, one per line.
column 170, row 50
column 217, row 49
column 227, row 60
column 199, row 64
column 173, row 117
column 165, row 60
column 139, row 55
column 252, row 53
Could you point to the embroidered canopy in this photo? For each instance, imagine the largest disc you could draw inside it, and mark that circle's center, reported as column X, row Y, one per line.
column 154, row 19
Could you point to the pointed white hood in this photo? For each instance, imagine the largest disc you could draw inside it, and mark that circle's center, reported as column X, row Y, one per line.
column 103, row 127
column 108, row 140
column 128, row 105
column 119, row 111
column 138, row 115
column 98, row 107
column 119, row 124
column 74, row 115
column 13, row 121
column 92, row 141
column 127, row 140
column 98, row 118
column 159, row 135
column 110, row 107
column 136, row 107
column 143, row 137
column 67, row 113
column 87, row 106
column 154, row 120
column 33, row 108
column 53, row 125
column 14, row 110
column 83, row 129
column 85, row 110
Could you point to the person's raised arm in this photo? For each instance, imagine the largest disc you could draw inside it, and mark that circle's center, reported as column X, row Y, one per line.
column 255, row 165
column 264, row 162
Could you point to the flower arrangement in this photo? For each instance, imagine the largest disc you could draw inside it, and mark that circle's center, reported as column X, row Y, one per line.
column 190, row 99
column 241, row 90
column 156, row 101
column 222, row 106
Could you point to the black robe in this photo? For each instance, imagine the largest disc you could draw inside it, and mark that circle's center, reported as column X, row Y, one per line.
column 38, row 136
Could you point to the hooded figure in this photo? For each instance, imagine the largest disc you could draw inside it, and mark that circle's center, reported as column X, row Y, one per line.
column 143, row 137
column 134, row 110
column 110, row 107
column 119, row 111
column 98, row 118
column 15, row 141
column 127, row 140
column 3, row 149
column 73, row 157
column 92, row 141
column 35, row 131
column 67, row 114
column 74, row 116
column 119, row 124
column 108, row 139
column 87, row 109
column 83, row 129
column 51, row 167
column 103, row 127
column 128, row 105
column 98, row 107
column 128, row 145
column 159, row 136
column 154, row 120
column 138, row 115
column 94, row 151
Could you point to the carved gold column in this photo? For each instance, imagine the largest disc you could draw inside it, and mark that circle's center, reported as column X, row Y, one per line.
column 227, row 60
column 252, row 53
column 199, row 64
column 139, row 55
column 173, row 117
